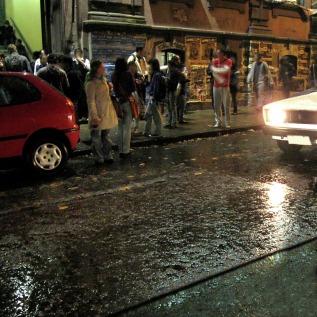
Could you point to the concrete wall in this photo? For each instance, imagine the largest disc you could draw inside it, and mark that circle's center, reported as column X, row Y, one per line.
column 27, row 16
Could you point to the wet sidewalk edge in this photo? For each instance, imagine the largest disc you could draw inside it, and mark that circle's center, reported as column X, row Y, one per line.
column 175, row 139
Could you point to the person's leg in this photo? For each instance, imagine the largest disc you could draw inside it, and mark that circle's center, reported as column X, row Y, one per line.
column 260, row 95
column 173, row 110
column 226, row 104
column 171, row 101
column 120, row 134
column 148, row 118
column 212, row 94
column 157, row 118
column 217, row 105
column 126, row 127
column 181, row 106
column 106, row 144
column 97, row 145
column 233, row 92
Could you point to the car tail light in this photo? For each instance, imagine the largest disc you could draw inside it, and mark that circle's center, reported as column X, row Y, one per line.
column 70, row 104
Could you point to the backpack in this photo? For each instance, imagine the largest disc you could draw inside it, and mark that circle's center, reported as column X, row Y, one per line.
column 161, row 94
column 15, row 64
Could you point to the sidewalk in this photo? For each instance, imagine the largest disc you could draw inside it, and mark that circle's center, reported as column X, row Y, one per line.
column 199, row 125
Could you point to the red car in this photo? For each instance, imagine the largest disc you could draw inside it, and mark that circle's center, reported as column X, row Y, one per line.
column 37, row 123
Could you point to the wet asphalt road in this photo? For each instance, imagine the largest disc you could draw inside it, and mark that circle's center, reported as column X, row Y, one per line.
column 97, row 240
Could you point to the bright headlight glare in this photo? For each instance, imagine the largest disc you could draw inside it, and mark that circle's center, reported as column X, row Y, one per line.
column 276, row 116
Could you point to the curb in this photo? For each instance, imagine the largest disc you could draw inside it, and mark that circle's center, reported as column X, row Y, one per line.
column 176, row 139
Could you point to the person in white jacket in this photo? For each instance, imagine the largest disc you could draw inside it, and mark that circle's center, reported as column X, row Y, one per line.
column 261, row 78
column 101, row 113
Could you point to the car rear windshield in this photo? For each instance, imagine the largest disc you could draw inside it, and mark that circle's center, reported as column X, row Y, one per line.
column 15, row 90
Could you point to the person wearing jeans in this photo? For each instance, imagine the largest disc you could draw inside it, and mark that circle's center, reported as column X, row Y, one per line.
column 102, row 145
column 153, row 109
column 124, row 87
column 124, row 130
column 101, row 113
column 173, row 78
column 221, row 68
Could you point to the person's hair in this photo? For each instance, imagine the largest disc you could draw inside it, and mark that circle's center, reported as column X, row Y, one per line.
column 221, row 50
column 36, row 54
column 176, row 58
column 52, row 59
column 155, row 64
column 78, row 50
column 19, row 41
column 121, row 65
column 172, row 63
column 67, row 61
column 12, row 48
column 6, row 22
column 139, row 48
column 94, row 65
column 131, row 63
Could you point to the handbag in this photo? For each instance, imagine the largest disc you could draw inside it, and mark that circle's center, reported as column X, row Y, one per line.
column 141, row 104
column 117, row 107
column 135, row 109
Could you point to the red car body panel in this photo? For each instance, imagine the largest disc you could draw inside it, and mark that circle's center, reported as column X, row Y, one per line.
column 19, row 122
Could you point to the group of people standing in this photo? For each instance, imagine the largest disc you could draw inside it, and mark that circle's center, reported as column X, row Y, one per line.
column 132, row 78
column 93, row 95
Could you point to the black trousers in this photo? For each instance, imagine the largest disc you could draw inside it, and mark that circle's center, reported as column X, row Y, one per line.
column 233, row 92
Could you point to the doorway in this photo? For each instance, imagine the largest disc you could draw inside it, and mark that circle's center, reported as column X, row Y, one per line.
column 167, row 54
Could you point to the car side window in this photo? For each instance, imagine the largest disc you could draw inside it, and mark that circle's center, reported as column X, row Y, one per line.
column 16, row 90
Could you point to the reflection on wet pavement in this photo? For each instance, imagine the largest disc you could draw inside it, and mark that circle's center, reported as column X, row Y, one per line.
column 99, row 240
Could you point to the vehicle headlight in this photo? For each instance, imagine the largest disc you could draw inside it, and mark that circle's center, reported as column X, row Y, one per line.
column 275, row 115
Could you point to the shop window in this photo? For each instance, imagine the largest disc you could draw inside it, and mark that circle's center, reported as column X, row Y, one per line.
column 302, row 3
column 293, row 60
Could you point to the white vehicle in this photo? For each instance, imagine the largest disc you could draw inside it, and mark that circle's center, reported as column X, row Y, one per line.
column 292, row 122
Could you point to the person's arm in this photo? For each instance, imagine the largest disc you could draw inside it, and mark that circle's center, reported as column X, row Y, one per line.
column 65, row 82
column 27, row 66
column 87, row 64
column 209, row 70
column 251, row 74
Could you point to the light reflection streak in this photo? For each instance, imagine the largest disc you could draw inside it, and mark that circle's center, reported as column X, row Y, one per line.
column 276, row 207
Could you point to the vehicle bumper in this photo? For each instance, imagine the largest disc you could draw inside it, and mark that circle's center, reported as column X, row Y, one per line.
column 73, row 136
column 284, row 132
column 291, row 135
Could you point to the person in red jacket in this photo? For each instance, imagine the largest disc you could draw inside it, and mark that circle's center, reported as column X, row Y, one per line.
column 221, row 69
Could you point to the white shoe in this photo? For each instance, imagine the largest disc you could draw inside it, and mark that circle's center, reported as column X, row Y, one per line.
column 217, row 125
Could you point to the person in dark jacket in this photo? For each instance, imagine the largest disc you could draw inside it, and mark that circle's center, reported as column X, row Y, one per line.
column 124, row 85
column 21, row 48
column 285, row 76
column 152, row 110
column 75, row 83
column 16, row 62
column 172, row 82
column 7, row 34
column 54, row 75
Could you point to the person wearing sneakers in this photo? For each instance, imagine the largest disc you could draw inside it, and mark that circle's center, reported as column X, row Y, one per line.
column 221, row 69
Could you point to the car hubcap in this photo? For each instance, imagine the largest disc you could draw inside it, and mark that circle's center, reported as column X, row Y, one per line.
column 47, row 156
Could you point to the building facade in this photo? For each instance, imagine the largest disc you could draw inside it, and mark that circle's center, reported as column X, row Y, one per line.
column 108, row 29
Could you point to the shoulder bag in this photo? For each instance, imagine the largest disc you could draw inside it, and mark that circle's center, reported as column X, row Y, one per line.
column 133, row 103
